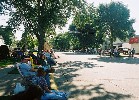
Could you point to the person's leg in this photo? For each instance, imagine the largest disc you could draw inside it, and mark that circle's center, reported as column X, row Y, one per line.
column 47, row 78
column 52, row 96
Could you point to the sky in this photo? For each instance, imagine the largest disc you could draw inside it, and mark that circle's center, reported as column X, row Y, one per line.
column 132, row 5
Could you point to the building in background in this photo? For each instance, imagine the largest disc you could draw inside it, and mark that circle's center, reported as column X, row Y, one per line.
column 134, row 41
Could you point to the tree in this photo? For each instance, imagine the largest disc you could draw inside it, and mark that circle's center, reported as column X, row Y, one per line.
column 61, row 42
column 38, row 16
column 7, row 34
column 28, row 41
column 85, row 27
column 114, row 21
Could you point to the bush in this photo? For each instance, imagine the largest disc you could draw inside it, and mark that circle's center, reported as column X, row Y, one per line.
column 4, row 52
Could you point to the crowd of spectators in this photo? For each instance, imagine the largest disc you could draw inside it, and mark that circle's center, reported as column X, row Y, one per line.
column 39, row 76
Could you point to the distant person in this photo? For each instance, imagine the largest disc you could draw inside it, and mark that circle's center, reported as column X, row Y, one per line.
column 110, row 52
column 115, row 52
column 129, row 52
column 132, row 52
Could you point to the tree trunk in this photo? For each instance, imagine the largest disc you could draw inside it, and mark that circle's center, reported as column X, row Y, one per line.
column 41, row 40
column 111, row 44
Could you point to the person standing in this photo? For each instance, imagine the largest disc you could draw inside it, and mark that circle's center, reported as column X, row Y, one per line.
column 132, row 52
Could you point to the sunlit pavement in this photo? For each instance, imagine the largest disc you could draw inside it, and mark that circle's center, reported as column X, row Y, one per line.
column 91, row 77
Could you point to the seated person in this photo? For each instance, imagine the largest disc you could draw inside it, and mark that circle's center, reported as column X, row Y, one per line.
column 50, row 61
column 44, row 63
column 48, row 94
column 34, row 92
column 34, row 57
column 26, row 69
column 47, row 53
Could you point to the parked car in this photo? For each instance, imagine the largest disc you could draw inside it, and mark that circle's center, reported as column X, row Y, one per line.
column 123, row 50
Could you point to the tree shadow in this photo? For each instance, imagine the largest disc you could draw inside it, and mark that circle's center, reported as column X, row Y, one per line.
column 112, row 96
column 127, row 60
column 75, row 53
column 78, row 64
column 64, row 82
column 65, row 70
column 8, row 81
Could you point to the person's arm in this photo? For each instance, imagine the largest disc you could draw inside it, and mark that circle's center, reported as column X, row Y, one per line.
column 47, row 90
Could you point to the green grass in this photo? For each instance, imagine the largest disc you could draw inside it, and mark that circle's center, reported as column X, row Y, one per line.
column 4, row 63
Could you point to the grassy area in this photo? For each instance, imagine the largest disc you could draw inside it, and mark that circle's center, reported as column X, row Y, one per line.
column 4, row 63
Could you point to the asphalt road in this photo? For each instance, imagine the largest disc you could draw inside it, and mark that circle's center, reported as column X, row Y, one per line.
column 91, row 77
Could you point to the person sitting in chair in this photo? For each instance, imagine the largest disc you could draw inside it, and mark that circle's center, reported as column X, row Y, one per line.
column 26, row 69
column 48, row 94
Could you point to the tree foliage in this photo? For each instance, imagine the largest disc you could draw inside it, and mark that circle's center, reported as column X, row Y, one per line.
column 7, row 34
column 114, row 21
column 85, row 27
column 65, row 41
column 61, row 42
column 40, row 16
column 28, row 41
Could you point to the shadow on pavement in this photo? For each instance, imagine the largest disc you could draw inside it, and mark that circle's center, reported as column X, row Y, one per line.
column 7, row 81
column 111, row 96
column 64, row 82
column 127, row 60
column 75, row 53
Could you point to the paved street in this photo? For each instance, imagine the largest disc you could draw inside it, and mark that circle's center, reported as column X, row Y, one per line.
column 91, row 77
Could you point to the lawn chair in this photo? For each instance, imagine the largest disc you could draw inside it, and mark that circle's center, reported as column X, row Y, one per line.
column 26, row 79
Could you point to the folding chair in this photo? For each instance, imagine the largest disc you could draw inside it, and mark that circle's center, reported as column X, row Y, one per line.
column 26, row 79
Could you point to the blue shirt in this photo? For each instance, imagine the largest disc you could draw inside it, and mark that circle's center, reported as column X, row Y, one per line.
column 26, row 69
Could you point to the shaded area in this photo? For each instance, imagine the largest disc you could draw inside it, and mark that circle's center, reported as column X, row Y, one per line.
column 78, row 64
column 8, row 81
column 75, row 53
column 112, row 96
column 64, row 81
column 127, row 60
column 14, row 71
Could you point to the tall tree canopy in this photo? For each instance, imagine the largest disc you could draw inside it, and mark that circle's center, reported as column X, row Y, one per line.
column 39, row 16
column 85, row 26
column 7, row 34
column 114, row 20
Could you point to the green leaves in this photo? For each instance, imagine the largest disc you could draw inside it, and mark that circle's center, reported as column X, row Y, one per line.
column 7, row 34
column 115, row 21
column 39, row 16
